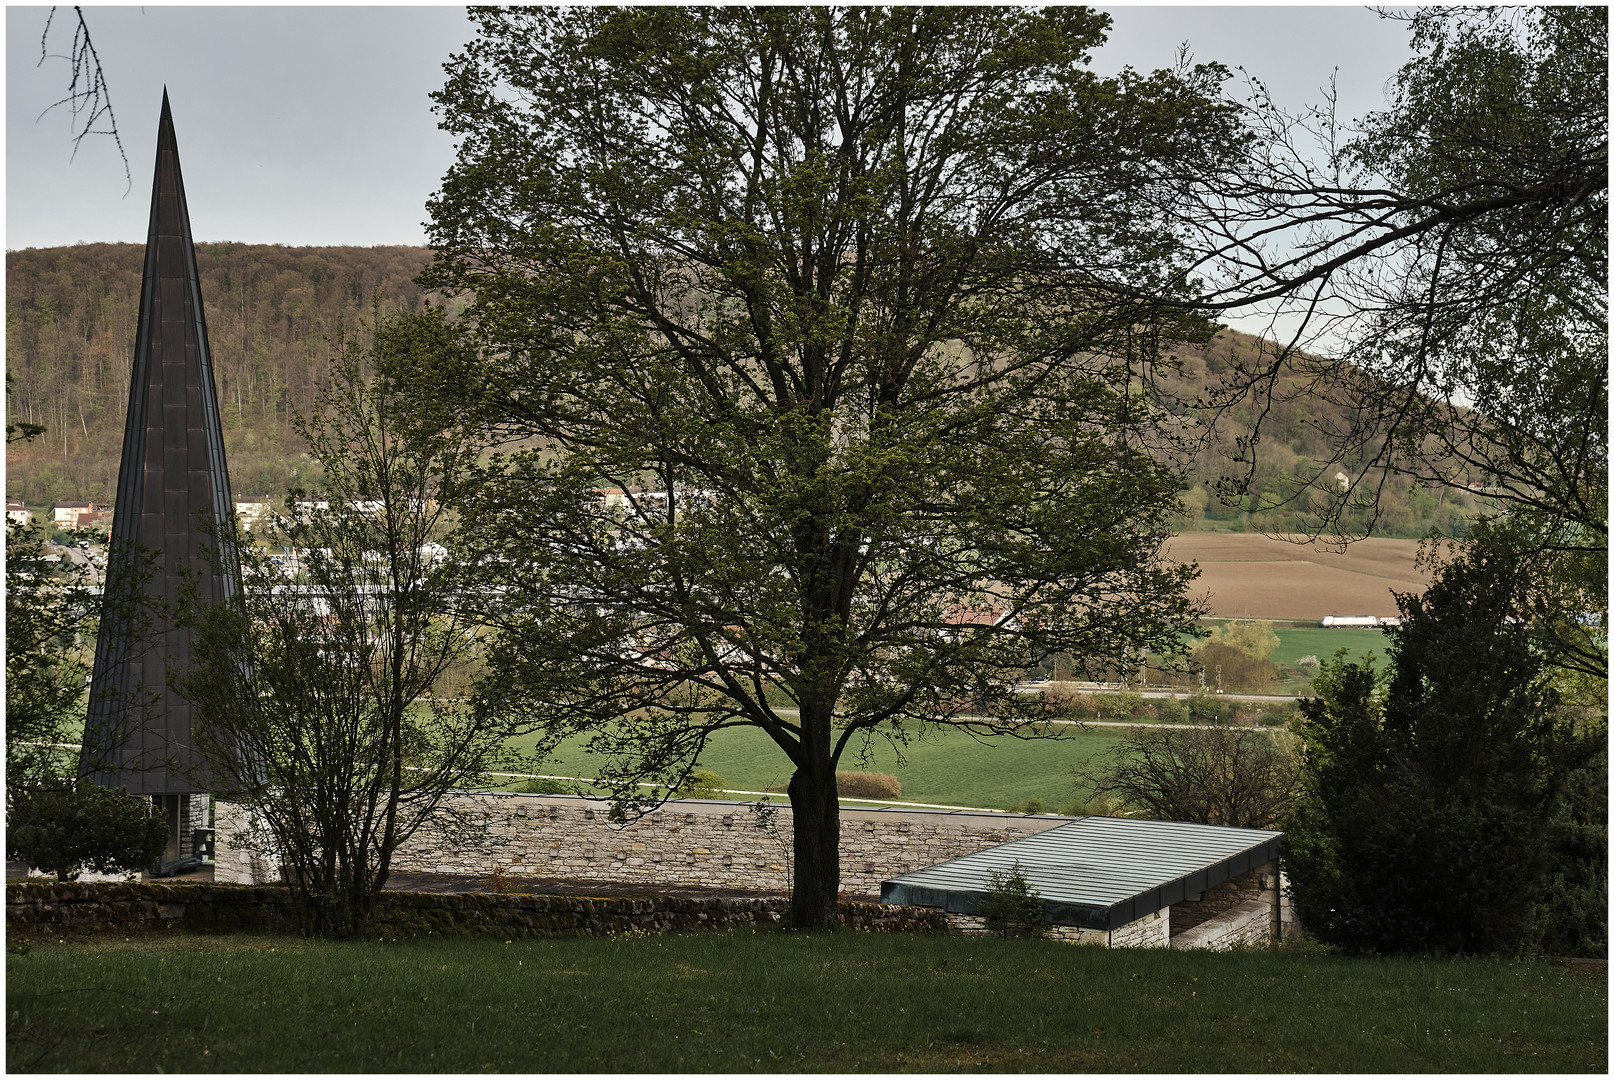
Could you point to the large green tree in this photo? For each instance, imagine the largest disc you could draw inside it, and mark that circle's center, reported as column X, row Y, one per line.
column 820, row 343
column 1449, row 801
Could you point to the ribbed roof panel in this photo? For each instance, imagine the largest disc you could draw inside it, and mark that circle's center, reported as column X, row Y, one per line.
column 1096, row 872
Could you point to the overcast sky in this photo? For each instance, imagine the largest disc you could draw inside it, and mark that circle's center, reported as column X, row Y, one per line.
column 312, row 126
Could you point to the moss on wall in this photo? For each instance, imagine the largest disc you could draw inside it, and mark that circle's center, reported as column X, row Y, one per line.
column 145, row 906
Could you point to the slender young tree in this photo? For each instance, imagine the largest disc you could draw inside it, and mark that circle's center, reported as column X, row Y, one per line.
column 820, row 342
column 333, row 691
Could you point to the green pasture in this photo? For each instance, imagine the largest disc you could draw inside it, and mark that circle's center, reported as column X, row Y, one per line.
column 1324, row 643
column 946, row 766
column 774, row 1001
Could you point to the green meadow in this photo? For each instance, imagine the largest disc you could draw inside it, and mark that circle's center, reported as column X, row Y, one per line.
column 776, row 1001
column 945, row 767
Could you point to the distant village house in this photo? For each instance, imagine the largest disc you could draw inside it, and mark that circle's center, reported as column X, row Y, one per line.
column 73, row 515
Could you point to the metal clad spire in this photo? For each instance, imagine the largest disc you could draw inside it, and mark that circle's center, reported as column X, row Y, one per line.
column 171, row 479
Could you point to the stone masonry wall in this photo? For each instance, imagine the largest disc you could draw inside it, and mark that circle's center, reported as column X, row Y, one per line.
column 1148, row 932
column 1259, row 885
column 240, row 855
column 687, row 842
column 1249, row 922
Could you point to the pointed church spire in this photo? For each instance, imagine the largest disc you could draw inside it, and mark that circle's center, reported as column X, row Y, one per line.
column 172, row 477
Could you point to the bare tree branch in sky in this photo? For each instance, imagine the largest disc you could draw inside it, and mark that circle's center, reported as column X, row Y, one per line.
column 88, row 97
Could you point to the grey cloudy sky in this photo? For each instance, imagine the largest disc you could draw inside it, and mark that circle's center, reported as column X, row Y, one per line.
column 312, row 126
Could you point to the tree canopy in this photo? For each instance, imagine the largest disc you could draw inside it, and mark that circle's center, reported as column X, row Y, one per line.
column 819, row 345
column 1447, row 800
column 1446, row 261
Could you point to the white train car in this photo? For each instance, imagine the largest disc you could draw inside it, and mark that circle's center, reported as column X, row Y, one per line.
column 1362, row 621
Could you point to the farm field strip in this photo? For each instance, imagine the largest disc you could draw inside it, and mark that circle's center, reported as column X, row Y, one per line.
column 1247, row 575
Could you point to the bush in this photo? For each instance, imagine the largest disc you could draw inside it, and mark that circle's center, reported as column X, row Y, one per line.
column 92, row 828
column 700, row 784
column 1450, row 806
column 546, row 787
column 1173, row 712
column 1012, row 906
column 1242, row 653
column 1205, row 707
column 1214, row 775
column 1098, row 804
column 867, row 785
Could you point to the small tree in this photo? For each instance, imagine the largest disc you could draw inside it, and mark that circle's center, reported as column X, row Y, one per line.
column 87, row 828
column 1012, row 906
column 320, row 695
column 1214, row 775
column 1239, row 655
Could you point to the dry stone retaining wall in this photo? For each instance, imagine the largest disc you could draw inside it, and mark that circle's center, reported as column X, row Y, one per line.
column 1259, row 886
column 52, row 907
column 687, row 842
column 1248, row 922
column 1148, row 932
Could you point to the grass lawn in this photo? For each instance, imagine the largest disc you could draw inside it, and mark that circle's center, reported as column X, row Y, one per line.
column 945, row 767
column 780, row 1002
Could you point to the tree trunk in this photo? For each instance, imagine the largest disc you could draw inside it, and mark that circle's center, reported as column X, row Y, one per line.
column 816, row 814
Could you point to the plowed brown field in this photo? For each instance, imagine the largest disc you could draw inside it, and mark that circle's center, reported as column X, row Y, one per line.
column 1250, row 576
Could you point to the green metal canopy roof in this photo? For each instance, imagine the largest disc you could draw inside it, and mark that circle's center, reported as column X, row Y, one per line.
column 1098, row 873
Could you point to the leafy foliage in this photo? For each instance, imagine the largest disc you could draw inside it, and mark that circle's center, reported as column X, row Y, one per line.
column 1238, row 656
column 1432, row 791
column 92, row 828
column 320, row 694
column 1012, row 907
column 832, row 334
column 50, row 610
column 702, row 783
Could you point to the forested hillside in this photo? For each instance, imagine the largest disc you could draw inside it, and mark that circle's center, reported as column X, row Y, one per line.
column 272, row 312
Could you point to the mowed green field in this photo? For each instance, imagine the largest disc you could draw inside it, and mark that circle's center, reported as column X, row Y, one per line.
column 744, row 1002
column 947, row 767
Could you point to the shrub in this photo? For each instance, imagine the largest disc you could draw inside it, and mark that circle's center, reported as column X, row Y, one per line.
column 1450, row 805
column 1122, row 705
column 1098, row 804
column 1213, row 775
column 699, row 784
column 1173, row 712
column 867, row 785
column 546, row 787
column 1012, row 906
column 91, row 828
